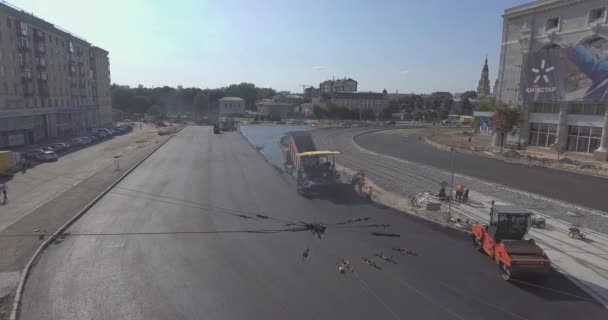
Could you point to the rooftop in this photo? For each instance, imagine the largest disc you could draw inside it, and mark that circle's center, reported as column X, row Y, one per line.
column 231, row 99
column 16, row 10
column 538, row 5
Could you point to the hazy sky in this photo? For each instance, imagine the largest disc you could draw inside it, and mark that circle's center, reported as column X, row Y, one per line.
column 405, row 45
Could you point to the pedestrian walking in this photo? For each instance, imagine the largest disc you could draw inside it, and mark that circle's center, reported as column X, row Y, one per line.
column 465, row 195
column 3, row 189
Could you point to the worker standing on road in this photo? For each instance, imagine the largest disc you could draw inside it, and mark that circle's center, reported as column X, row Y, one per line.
column 3, row 189
column 459, row 192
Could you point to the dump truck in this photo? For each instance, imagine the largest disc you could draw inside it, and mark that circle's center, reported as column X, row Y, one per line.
column 314, row 170
column 503, row 239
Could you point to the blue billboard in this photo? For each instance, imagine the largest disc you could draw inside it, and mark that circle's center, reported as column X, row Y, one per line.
column 577, row 73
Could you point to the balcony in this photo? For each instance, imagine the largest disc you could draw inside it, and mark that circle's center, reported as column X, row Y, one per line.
column 41, row 62
column 42, row 76
column 24, row 45
column 41, row 49
column 38, row 35
column 26, row 75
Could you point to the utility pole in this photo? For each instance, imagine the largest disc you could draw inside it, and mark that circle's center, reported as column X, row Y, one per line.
column 452, row 183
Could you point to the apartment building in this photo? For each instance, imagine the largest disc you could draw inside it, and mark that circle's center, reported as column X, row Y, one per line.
column 553, row 59
column 231, row 105
column 340, row 85
column 362, row 100
column 52, row 83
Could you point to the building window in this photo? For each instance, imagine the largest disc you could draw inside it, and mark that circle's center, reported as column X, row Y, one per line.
column 588, row 108
column 583, row 139
column 596, row 15
column 8, row 23
column 552, row 24
column 542, row 134
column 545, row 107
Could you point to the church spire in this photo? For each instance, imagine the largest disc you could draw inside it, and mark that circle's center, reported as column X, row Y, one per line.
column 483, row 88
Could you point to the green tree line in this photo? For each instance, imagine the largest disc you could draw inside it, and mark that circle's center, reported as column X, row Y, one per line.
column 169, row 100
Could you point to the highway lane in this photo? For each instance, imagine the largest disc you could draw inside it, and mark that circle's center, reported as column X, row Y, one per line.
column 158, row 246
column 580, row 189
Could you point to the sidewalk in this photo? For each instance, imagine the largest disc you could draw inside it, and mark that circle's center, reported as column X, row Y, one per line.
column 24, row 224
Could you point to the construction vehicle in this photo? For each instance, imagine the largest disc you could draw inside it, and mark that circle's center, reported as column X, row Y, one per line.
column 503, row 240
column 314, row 170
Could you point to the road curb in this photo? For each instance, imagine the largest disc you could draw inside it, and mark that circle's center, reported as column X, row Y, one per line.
column 25, row 273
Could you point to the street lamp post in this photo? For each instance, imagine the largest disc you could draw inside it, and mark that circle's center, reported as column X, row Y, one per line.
column 451, row 183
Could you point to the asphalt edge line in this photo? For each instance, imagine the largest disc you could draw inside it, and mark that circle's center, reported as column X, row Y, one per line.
column 25, row 273
column 599, row 299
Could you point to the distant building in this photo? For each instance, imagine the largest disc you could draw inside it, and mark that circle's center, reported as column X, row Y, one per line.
column 312, row 92
column 361, row 100
column 52, row 83
column 340, row 85
column 552, row 59
column 483, row 88
column 231, row 106
column 276, row 109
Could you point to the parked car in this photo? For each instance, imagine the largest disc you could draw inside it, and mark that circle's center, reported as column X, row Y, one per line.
column 65, row 145
column 49, row 148
column 101, row 135
column 58, row 147
column 100, row 130
column 47, row 156
column 93, row 138
column 86, row 140
column 33, row 153
column 78, row 142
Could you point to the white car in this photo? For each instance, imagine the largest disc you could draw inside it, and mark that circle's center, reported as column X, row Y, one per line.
column 47, row 156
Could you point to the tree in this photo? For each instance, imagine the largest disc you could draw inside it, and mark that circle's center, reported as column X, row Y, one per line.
column 468, row 94
column 466, row 107
column 331, row 110
column 318, row 111
column 201, row 103
column 445, row 108
column 386, row 113
column 154, row 110
column 368, row 114
column 505, row 119
column 488, row 105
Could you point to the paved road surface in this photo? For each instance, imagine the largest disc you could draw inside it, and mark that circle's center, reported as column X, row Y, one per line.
column 585, row 190
column 126, row 258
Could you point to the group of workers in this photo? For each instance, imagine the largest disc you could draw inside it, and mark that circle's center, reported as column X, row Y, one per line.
column 462, row 193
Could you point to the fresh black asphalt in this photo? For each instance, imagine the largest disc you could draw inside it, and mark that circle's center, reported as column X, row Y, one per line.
column 175, row 240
